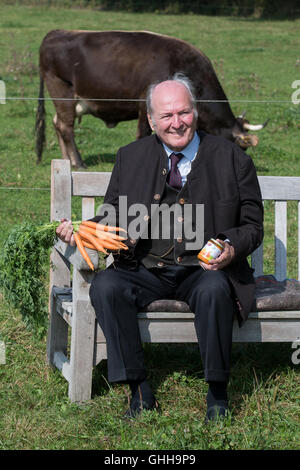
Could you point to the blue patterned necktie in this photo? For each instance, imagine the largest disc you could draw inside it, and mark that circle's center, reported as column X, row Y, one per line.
column 174, row 177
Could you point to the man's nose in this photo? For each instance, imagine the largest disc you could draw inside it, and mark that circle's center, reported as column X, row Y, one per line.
column 176, row 121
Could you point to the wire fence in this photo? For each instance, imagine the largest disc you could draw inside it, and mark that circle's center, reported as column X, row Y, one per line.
column 20, row 188
column 138, row 100
column 141, row 100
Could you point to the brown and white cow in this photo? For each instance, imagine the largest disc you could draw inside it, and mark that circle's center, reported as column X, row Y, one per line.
column 107, row 73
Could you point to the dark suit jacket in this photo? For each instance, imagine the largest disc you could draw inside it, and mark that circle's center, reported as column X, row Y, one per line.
column 222, row 177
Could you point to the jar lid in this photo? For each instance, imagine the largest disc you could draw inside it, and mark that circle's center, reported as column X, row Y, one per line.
column 218, row 244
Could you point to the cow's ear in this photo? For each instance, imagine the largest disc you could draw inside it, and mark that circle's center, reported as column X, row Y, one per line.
column 150, row 121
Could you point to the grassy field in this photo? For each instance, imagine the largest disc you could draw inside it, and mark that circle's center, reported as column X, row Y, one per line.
column 256, row 61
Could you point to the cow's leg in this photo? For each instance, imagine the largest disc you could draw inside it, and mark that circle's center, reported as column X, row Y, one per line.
column 61, row 142
column 143, row 128
column 65, row 118
column 65, row 132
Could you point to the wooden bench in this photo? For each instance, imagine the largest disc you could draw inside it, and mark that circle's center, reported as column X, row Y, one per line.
column 76, row 354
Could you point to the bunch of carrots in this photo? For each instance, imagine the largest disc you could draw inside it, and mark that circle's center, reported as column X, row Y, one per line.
column 24, row 260
column 97, row 237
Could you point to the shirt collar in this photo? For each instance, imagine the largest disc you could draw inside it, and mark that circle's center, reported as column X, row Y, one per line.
column 190, row 151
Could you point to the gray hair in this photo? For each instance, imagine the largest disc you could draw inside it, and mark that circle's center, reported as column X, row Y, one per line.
column 178, row 77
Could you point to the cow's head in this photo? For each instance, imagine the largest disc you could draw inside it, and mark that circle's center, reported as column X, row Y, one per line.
column 240, row 132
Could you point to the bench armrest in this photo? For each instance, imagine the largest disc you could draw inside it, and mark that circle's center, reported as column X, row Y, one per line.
column 72, row 254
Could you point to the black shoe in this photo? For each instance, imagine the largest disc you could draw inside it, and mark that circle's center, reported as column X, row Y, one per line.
column 216, row 413
column 142, row 399
column 136, row 408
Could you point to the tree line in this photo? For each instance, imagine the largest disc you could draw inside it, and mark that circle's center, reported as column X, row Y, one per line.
column 240, row 8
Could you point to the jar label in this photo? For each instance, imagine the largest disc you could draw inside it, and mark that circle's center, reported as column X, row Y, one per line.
column 210, row 251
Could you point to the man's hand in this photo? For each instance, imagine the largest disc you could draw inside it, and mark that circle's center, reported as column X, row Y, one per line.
column 65, row 232
column 223, row 260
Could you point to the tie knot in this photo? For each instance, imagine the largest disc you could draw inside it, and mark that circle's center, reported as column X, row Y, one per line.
column 176, row 157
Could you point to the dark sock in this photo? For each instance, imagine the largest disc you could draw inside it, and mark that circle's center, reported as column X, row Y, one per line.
column 217, row 394
column 141, row 391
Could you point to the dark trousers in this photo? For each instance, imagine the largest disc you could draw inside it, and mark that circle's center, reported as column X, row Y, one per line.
column 117, row 294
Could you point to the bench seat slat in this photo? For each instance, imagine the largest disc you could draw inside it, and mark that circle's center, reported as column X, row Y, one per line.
column 65, row 309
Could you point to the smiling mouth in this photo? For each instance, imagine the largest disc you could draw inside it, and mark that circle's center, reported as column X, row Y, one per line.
column 178, row 134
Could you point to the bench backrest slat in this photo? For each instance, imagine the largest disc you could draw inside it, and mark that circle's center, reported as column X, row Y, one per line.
column 280, row 188
column 90, row 184
column 257, row 262
column 88, row 208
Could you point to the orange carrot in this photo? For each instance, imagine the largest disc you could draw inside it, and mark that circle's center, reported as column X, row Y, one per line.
column 93, row 240
column 113, row 246
column 88, row 245
column 122, row 245
column 81, row 248
column 89, row 223
column 104, row 242
column 109, row 242
column 88, row 229
column 110, row 236
column 105, row 228
column 101, row 234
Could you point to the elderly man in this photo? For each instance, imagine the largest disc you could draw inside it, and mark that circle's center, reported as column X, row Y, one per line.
column 178, row 166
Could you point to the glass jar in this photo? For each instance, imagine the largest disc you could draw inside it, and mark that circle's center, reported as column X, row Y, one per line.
column 210, row 251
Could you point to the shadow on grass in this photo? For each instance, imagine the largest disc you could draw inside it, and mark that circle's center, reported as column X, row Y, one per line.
column 162, row 361
column 253, row 367
column 262, row 169
column 92, row 160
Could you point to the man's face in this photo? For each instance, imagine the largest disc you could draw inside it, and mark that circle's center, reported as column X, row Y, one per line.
column 173, row 117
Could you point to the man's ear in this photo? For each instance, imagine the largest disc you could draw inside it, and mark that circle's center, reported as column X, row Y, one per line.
column 150, row 121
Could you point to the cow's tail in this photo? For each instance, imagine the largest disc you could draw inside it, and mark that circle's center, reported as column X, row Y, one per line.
column 40, row 123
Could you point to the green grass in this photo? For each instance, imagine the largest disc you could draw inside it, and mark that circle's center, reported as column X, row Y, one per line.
column 255, row 60
column 36, row 414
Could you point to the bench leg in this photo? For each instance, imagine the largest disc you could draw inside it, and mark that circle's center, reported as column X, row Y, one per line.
column 82, row 341
column 57, row 340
